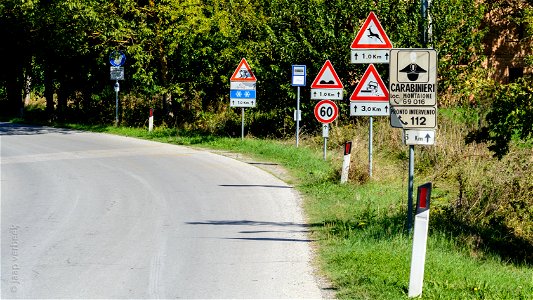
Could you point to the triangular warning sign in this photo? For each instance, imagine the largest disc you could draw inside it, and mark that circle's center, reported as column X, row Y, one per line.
column 243, row 72
column 371, row 35
column 327, row 78
column 371, row 87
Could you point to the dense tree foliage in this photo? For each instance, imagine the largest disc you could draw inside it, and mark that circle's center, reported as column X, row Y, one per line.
column 180, row 53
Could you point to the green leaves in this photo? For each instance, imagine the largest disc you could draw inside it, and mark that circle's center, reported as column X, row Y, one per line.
column 185, row 50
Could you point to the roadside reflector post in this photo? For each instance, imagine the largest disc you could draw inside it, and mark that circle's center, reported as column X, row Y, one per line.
column 346, row 161
column 151, row 120
column 418, row 257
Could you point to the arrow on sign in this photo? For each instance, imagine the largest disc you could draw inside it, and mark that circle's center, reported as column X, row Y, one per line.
column 355, row 108
column 386, row 109
column 428, row 137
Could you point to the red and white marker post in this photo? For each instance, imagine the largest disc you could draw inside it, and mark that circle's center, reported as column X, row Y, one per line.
column 151, row 120
column 420, row 238
column 346, row 161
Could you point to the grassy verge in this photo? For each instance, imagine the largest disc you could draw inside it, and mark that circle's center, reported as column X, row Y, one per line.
column 359, row 227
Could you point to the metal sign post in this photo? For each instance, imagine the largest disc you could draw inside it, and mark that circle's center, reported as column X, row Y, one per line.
column 326, row 111
column 243, row 89
column 117, row 59
column 298, row 117
column 325, row 135
column 410, row 186
column 370, row 139
column 117, row 89
column 242, row 123
column 298, row 79
column 413, row 103
column 370, row 97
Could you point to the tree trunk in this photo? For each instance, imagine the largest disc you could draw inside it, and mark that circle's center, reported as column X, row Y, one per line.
column 61, row 103
column 14, row 89
column 167, row 96
column 27, row 89
column 49, row 92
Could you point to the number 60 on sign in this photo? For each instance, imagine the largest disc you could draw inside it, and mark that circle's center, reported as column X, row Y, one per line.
column 326, row 111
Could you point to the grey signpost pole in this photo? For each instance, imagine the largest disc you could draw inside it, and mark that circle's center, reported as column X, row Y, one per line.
column 325, row 147
column 370, row 49
column 242, row 123
column 424, row 38
column 410, row 188
column 299, row 74
column 326, row 111
column 325, row 130
column 242, row 89
column 370, row 137
column 117, row 59
column 117, row 89
column 298, row 116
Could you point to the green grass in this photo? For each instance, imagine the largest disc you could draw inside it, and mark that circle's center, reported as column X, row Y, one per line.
column 362, row 245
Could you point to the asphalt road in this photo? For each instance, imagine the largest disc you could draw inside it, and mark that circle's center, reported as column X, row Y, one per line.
column 86, row 215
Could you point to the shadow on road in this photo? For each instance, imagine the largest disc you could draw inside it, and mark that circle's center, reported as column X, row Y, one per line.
column 248, row 223
column 19, row 129
column 296, row 228
column 271, row 239
column 257, row 185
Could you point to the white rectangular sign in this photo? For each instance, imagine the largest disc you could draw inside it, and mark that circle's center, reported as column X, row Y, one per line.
column 368, row 56
column 369, row 108
column 419, row 137
column 297, row 115
column 325, row 130
column 242, row 85
column 413, row 116
column 413, row 77
column 298, row 75
column 117, row 73
column 327, row 94
column 242, row 102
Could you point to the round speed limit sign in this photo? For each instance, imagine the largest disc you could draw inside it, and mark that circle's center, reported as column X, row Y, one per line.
column 326, row 111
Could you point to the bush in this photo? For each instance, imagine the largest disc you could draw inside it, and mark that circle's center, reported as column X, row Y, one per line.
column 493, row 208
column 509, row 117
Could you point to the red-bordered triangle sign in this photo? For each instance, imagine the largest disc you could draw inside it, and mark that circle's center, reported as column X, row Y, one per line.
column 243, row 72
column 371, row 35
column 327, row 78
column 371, row 87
